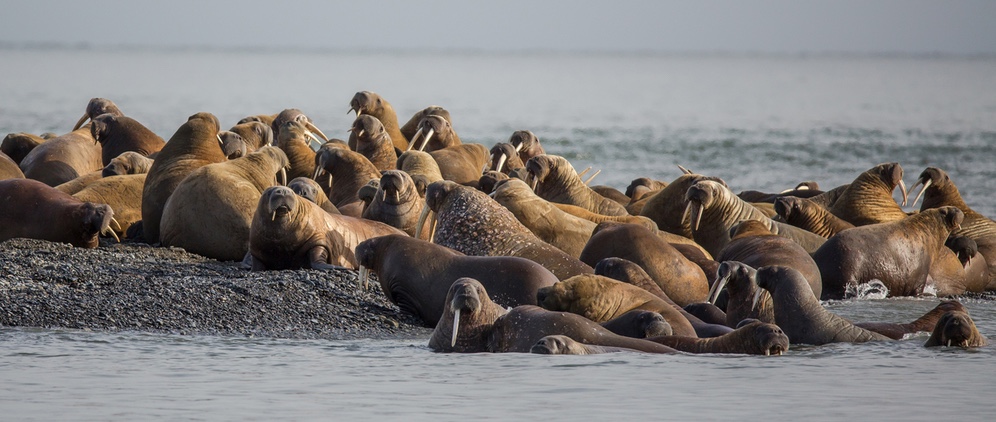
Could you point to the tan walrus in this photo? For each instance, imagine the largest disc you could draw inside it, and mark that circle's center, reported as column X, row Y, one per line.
column 554, row 179
column 372, row 104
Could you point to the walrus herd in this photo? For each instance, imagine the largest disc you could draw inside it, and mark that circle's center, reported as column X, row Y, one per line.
column 512, row 251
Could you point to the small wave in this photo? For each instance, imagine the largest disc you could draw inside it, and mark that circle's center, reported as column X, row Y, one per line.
column 874, row 289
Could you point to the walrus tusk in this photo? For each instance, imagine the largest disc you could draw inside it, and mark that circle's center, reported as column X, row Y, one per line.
column 318, row 171
column 432, row 228
column 315, row 129
column 501, row 162
column 902, row 188
column 352, row 110
column 757, row 297
column 584, row 172
column 220, row 142
column 533, row 182
column 949, row 342
column 414, row 138
column 360, row 133
column 107, row 230
column 421, row 221
column 282, row 181
column 586, row 182
column 684, row 170
column 968, row 262
column 695, row 210
column 361, row 281
column 518, row 147
column 116, row 223
column 925, row 186
column 428, row 136
column 456, row 327
column 716, row 288
column 330, row 180
column 274, row 218
column 96, row 139
column 80, row 122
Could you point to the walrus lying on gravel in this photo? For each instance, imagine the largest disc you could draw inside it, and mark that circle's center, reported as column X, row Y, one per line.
column 32, row 209
column 397, row 203
column 18, row 145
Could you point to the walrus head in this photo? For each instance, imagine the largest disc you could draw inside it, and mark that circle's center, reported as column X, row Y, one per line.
column 643, row 185
column 504, row 158
column 538, row 169
column 952, row 217
column 767, row 339
column 129, row 162
column 891, row 174
column 305, row 188
column 490, row 181
column 583, row 294
column 431, row 125
column 255, row 133
column 366, row 102
column 18, row 145
column 467, row 318
column 277, row 202
column 232, row 144
column 97, row 107
column 698, row 198
column 204, row 117
column 368, row 128
column 557, row 344
column 100, row 127
column 934, row 182
column 324, row 159
column 293, row 131
column 964, row 247
column 523, row 140
column 95, row 219
column 293, row 114
column 955, row 328
column 437, row 192
column 397, row 187
column 738, row 278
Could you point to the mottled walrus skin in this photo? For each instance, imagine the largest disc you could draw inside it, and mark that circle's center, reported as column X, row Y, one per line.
column 472, row 223
column 195, row 144
column 289, row 232
column 372, row 141
column 753, row 244
column 956, row 328
column 415, row 274
column 899, row 254
column 119, row 134
column 755, row 338
column 372, row 104
column 397, row 203
column 32, row 209
column 64, row 158
column 806, row 214
column 868, row 199
column 555, row 180
column 471, row 322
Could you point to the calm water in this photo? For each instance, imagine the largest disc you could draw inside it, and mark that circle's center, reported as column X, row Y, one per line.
column 761, row 123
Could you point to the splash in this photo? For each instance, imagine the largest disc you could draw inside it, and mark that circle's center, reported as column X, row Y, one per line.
column 873, row 289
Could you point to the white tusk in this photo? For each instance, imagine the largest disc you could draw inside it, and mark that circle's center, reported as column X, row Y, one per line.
column 312, row 137
column 283, row 177
column 421, row 221
column 534, row 183
column 361, row 282
column 584, row 172
column 313, row 128
column 949, row 342
column 501, row 162
column 925, row 186
column 360, row 133
column 274, row 218
column 428, row 136
column 432, row 228
column 757, row 297
column 456, row 327
column 683, row 169
column 684, row 215
column 716, row 288
column 220, row 142
column 902, row 188
column 111, row 232
column 586, row 182
column 414, row 138
column 518, row 147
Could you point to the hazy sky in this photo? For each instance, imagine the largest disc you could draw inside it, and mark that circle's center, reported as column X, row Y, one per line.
column 920, row 26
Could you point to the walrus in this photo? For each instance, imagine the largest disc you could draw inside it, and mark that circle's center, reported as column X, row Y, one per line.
column 559, row 344
column 462, row 163
column 257, row 134
column 96, row 107
column 18, row 145
column 310, row 190
column 830, row 197
column 526, row 144
column 642, row 186
column 755, row 338
column 348, row 171
column 630, row 273
column 868, row 199
column 554, row 179
column 423, row 140
column 801, row 316
column 806, row 189
column 611, row 193
column 118, row 134
column 956, row 328
column 194, row 145
column 489, row 181
column 713, row 210
column 372, row 140
column 806, row 214
column 682, row 280
column 471, row 322
column 504, row 158
column 472, row 223
column 288, row 232
column 939, row 190
column 600, row 299
column 129, row 162
column 266, row 119
column 123, row 193
column 295, row 139
column 79, row 183
column 556, row 227
column 9, row 169
column 740, row 283
column 927, row 322
column 705, row 311
column 974, row 274
column 64, row 158
column 639, row 324
column 32, row 209
column 293, row 114
column 409, row 129
column 421, row 167
column 372, row 104
column 753, row 244
column 415, row 274
column 397, row 203
column 666, row 207
column 899, row 254
column 210, row 211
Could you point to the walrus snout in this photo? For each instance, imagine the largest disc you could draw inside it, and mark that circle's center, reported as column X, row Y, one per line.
column 771, row 338
column 96, row 219
column 281, row 200
column 99, row 127
column 549, row 345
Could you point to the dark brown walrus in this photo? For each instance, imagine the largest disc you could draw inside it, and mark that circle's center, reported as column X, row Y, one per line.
column 471, row 323
column 956, row 328
column 526, row 144
column 434, row 133
column 927, row 322
column 310, row 190
column 938, row 191
column 64, row 158
column 9, row 169
column 118, row 134
column 293, row 114
column 559, row 344
column 96, row 107
column 755, row 245
column 420, row 166
column 195, row 144
column 409, row 129
column 472, row 223
column 808, row 215
column 754, row 338
column 504, row 159
column 397, row 203
column 295, row 140
column 868, row 199
column 899, row 254
column 289, row 232
column 667, row 206
column 415, row 274
column 801, row 315
column 682, row 280
column 32, row 209
column 372, row 104
column 554, row 179
column 18, row 145
column 372, row 140
column 349, row 171
column 210, row 211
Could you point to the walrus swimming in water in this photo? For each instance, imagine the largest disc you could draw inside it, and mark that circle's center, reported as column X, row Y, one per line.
column 868, row 199
column 18, row 145
column 372, row 140
column 35, row 210
column 62, row 159
column 956, row 328
column 559, row 344
column 397, row 203
column 118, row 134
column 554, row 179
column 754, row 338
column 372, row 104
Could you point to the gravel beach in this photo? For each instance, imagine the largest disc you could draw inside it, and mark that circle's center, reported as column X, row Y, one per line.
column 137, row 287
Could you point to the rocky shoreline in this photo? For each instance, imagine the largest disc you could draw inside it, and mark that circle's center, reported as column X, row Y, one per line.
column 137, row 287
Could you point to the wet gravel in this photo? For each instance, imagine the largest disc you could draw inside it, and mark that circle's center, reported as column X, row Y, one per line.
column 137, row 287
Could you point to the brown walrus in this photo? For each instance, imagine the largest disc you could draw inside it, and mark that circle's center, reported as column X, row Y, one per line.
column 9, row 169
column 409, row 129
column 472, row 223
column 639, row 324
column 256, row 134
column 806, row 214
column 266, row 119
column 195, row 144
column 295, row 139
column 739, row 281
column 118, row 134
column 526, row 144
column 312, row 191
column 755, row 245
column 801, row 316
column 713, row 210
column 415, row 274
column 462, row 163
column 349, row 171
column 559, row 344
column 956, row 328
column 682, row 280
column 434, row 133
column 938, row 190
column 612, row 193
column 974, row 266
column 504, row 158
column 288, row 232
column 79, row 183
column 62, row 159
column 643, row 186
column 556, row 227
column 666, row 207
column 471, row 322
column 129, row 162
column 32, row 209
column 210, row 211
column 96, row 107
column 293, row 114
column 899, row 254
column 397, row 203
column 554, row 179
column 755, row 338
column 373, row 141
column 18, row 145
column 372, row 104
column 868, row 199
column 927, row 322
column 123, row 193
column 421, row 167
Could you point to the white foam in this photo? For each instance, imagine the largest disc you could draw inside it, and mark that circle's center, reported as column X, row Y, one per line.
column 874, row 289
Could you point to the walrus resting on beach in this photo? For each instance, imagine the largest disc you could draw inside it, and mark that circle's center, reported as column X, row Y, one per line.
column 32, row 209
column 119, row 134
column 64, row 158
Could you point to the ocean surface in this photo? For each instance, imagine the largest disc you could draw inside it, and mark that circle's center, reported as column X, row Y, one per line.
column 760, row 122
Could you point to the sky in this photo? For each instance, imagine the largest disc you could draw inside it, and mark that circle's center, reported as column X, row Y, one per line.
column 776, row 26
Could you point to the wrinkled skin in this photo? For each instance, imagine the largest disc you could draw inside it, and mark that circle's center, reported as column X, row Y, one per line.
column 293, row 114
column 295, row 139
column 310, row 190
column 801, row 316
column 503, row 154
column 754, row 245
column 416, row 274
column 123, row 193
column 129, row 162
column 461, row 163
column 755, row 338
column 288, row 232
column 556, row 227
column 34, row 210
column 956, row 328
column 18, row 145
column 527, row 144
column 118, row 134
column 411, row 127
column 372, row 140
column 64, row 158
column 557, row 181
column 806, row 214
column 740, row 283
column 397, row 203
column 899, row 254
column 421, row 167
column 366, row 103
column 868, row 199
column 257, row 134
column 667, row 206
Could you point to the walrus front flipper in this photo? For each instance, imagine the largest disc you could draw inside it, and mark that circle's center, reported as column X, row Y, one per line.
column 318, row 259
